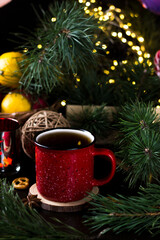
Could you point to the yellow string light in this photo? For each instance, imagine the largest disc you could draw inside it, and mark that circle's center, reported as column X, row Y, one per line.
column 130, row 43
column 141, row 59
column 106, row 72
column 115, row 62
column 39, row 46
column 78, row 79
column 104, row 46
column 110, row 15
column 124, row 40
column 119, row 34
column 112, row 68
column 25, row 50
column 63, row 103
column 140, row 39
column 88, row 4
column 111, row 81
column 121, row 16
column 114, row 34
column 53, row 19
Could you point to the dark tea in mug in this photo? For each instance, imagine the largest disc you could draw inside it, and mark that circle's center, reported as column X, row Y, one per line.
column 64, row 140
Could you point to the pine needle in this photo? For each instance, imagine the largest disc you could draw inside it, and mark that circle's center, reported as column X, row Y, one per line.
column 119, row 213
column 19, row 222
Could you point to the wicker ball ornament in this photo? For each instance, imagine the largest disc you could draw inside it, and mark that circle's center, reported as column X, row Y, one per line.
column 40, row 121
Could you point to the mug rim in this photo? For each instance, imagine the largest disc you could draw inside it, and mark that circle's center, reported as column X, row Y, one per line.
column 17, row 125
column 63, row 149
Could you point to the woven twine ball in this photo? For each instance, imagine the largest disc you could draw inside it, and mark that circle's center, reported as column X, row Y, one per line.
column 40, row 121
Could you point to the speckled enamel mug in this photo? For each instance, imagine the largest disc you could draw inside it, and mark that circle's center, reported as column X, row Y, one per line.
column 65, row 164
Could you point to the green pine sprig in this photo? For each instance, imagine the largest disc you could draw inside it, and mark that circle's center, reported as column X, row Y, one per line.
column 139, row 138
column 63, row 43
column 137, row 214
column 19, row 222
column 136, row 116
column 92, row 118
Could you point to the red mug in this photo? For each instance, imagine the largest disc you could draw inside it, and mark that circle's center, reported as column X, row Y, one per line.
column 65, row 164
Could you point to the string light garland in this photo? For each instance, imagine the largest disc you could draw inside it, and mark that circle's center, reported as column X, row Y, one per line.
column 122, row 30
column 116, row 29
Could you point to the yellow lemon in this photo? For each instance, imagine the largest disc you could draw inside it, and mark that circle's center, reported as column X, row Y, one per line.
column 15, row 102
column 10, row 73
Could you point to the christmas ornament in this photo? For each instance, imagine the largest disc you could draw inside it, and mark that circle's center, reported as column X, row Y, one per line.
column 151, row 5
column 15, row 102
column 10, row 73
column 4, row 2
column 157, row 63
column 40, row 121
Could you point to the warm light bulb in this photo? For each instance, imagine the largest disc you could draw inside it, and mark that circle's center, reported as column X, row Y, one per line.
column 114, row 34
column 98, row 43
column 112, row 7
column 104, row 46
column 133, row 35
column 130, row 43
column 63, row 103
column 128, row 33
column 147, row 55
column 139, row 52
column 140, row 59
column 100, row 8
column 25, row 50
column 124, row 40
column 125, row 26
column 112, row 68
column 121, row 16
column 124, row 61
column 39, row 46
column 106, row 72
column 87, row 11
column 88, row 4
column 115, row 62
column 140, row 39
column 118, row 10
column 111, row 81
column 119, row 34
column 53, row 19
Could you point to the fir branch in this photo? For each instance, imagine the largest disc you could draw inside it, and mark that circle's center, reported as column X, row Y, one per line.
column 92, row 118
column 136, row 116
column 120, row 213
column 19, row 222
column 139, row 143
column 143, row 160
column 66, row 45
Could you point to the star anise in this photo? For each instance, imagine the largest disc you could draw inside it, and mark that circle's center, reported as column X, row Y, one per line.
column 32, row 201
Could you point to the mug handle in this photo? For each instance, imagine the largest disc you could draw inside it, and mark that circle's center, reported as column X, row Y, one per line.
column 112, row 159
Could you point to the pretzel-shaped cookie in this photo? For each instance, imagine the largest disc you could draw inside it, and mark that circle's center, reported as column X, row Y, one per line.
column 20, row 183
